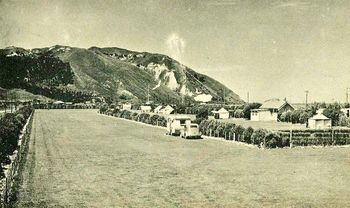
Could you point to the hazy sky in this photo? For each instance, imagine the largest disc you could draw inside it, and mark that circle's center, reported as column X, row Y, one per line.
column 269, row 48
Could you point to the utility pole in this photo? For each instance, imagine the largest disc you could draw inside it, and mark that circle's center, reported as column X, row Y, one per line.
column 247, row 97
column 347, row 95
column 224, row 96
column 147, row 94
column 306, row 96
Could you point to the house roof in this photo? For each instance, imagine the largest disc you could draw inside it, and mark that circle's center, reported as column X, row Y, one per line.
column 145, row 107
column 221, row 110
column 58, row 102
column 168, row 107
column 319, row 117
column 158, row 108
column 274, row 104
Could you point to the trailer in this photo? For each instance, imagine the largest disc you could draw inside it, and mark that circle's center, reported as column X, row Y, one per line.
column 176, row 123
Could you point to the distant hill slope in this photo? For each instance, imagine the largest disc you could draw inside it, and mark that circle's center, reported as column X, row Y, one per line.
column 75, row 74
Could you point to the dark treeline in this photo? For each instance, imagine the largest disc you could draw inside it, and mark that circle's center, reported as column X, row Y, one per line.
column 41, row 74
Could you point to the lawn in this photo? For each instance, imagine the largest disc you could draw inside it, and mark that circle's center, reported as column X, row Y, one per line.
column 79, row 158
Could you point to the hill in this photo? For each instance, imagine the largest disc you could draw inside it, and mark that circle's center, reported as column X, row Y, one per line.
column 77, row 74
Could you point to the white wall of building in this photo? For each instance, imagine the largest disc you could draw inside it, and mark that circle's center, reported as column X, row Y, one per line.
column 262, row 115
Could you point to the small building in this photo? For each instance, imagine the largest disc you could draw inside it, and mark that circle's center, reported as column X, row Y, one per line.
column 222, row 113
column 270, row 109
column 126, row 106
column 157, row 109
column 319, row 121
column 346, row 112
column 167, row 110
column 145, row 108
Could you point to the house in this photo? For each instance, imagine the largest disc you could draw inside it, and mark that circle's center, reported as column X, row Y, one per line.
column 145, row 108
column 346, row 112
column 319, row 121
column 221, row 114
column 270, row 109
column 167, row 110
column 157, row 109
column 126, row 106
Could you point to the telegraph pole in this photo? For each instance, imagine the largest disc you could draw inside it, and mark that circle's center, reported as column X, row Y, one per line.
column 248, row 97
column 147, row 94
column 347, row 95
column 306, row 96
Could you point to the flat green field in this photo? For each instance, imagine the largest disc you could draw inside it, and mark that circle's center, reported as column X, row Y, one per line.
column 79, row 158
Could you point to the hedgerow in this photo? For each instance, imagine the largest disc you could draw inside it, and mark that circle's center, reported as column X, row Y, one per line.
column 11, row 125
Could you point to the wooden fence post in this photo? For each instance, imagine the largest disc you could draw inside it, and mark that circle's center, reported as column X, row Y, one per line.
column 333, row 137
column 234, row 136
column 225, row 135
column 229, row 135
column 290, row 138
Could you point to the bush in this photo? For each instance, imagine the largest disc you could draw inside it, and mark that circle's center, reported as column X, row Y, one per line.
column 247, row 135
column 239, row 132
column 10, row 129
column 104, row 108
column 258, row 136
column 273, row 140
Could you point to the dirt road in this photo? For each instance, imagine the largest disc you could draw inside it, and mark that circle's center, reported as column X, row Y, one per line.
column 79, row 158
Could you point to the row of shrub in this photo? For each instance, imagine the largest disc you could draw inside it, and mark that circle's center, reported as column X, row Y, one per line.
column 140, row 117
column 11, row 125
column 230, row 131
column 271, row 139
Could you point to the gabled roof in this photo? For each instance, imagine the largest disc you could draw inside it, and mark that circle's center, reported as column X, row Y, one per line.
column 158, row 108
column 319, row 117
column 168, row 107
column 274, row 104
column 221, row 110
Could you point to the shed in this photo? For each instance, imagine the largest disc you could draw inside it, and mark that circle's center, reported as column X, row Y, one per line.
column 319, row 121
column 222, row 113
column 346, row 112
column 158, row 108
column 126, row 106
column 145, row 108
column 167, row 110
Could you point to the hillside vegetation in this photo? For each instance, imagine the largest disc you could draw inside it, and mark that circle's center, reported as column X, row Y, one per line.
column 76, row 74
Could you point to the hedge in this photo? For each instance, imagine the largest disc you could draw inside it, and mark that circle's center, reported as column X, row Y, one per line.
column 140, row 117
column 11, row 125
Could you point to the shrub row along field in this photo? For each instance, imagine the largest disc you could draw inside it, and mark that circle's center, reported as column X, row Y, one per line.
column 273, row 139
column 156, row 120
column 11, row 125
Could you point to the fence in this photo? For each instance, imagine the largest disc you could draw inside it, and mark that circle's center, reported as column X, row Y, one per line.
column 326, row 137
column 13, row 170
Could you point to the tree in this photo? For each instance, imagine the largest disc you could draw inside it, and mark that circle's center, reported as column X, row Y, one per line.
column 247, row 135
column 333, row 111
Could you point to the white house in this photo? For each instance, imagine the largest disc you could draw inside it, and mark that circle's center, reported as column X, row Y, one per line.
column 167, row 110
column 145, row 108
column 221, row 114
column 126, row 106
column 319, row 121
column 270, row 109
column 346, row 111
column 157, row 109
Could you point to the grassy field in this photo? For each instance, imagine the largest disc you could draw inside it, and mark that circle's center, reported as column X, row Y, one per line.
column 79, row 158
column 269, row 125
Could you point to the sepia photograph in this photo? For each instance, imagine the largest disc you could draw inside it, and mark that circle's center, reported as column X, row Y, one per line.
column 174, row 103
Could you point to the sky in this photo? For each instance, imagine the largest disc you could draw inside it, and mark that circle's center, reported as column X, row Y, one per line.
column 271, row 49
